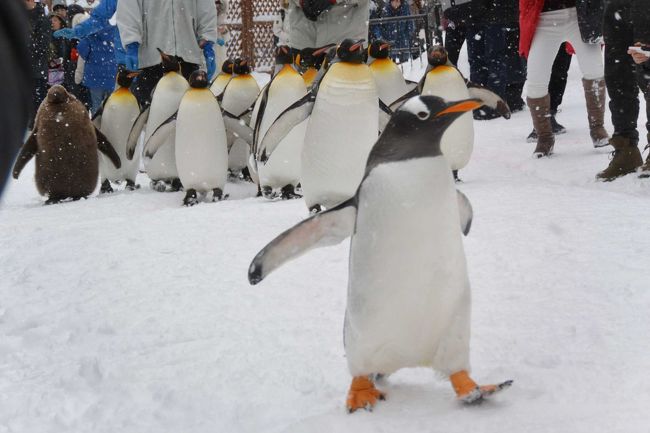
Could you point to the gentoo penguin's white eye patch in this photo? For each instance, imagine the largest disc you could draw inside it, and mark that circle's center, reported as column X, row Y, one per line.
column 417, row 107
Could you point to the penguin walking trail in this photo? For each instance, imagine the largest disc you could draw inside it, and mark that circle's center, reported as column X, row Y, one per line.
column 408, row 289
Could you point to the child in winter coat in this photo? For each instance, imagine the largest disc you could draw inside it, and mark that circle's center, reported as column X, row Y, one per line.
column 100, row 66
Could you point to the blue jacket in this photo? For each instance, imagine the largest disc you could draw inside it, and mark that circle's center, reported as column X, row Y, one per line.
column 99, row 21
column 98, row 52
column 399, row 34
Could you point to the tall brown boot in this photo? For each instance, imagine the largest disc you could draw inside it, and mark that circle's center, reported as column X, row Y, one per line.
column 540, row 111
column 626, row 160
column 595, row 97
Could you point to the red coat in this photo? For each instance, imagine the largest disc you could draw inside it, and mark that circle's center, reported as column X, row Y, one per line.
column 529, row 11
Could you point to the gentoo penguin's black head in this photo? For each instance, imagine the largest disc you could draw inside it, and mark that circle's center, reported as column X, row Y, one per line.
column 437, row 56
column 169, row 63
column 415, row 129
column 283, row 55
column 227, row 66
column 57, row 95
column 351, row 51
column 241, row 67
column 379, row 49
column 199, row 79
column 125, row 77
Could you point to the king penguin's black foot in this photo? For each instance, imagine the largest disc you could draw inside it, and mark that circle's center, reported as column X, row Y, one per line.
column 259, row 192
column 52, row 200
column 191, row 198
column 176, row 185
column 106, row 187
column 218, row 195
column 267, row 192
column 315, row 209
column 131, row 185
column 246, row 175
column 158, row 185
column 456, row 178
column 288, row 192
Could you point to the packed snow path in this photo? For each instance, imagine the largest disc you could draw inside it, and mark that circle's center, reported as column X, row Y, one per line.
column 130, row 313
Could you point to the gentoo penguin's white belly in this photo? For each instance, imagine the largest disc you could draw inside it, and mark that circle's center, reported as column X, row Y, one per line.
column 118, row 116
column 342, row 129
column 458, row 140
column 408, row 276
column 165, row 101
column 201, row 153
column 389, row 78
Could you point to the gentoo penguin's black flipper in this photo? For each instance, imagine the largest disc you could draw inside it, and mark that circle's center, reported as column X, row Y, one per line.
column 465, row 211
column 489, row 98
column 292, row 116
column 160, row 135
column 238, row 127
column 107, row 148
column 136, row 130
column 27, row 152
column 321, row 230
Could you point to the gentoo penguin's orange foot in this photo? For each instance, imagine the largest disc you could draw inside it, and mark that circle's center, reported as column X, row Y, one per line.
column 469, row 392
column 362, row 394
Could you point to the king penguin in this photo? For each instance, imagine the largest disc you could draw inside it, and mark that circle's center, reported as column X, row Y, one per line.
column 390, row 81
column 310, row 60
column 408, row 290
column 165, row 99
column 115, row 120
column 220, row 82
column 280, row 174
column 201, row 153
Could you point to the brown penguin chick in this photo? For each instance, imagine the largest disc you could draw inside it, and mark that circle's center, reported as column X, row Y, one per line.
column 65, row 143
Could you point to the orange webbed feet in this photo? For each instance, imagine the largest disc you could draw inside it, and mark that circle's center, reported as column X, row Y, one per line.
column 362, row 394
column 469, row 392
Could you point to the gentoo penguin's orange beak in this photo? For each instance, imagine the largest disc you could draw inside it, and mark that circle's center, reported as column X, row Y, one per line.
column 462, row 106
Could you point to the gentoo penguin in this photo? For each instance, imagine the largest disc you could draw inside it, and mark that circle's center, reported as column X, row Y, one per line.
column 65, row 143
column 388, row 76
column 237, row 103
column 164, row 102
column 408, row 289
column 117, row 117
column 221, row 81
column 201, row 153
column 280, row 174
column 344, row 108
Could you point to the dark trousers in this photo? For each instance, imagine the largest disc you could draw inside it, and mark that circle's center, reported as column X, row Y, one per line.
column 559, row 74
column 454, row 40
column 143, row 86
column 622, row 76
column 38, row 95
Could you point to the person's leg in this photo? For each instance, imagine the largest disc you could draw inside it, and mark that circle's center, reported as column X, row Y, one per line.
column 559, row 75
column 454, row 39
column 643, row 80
column 515, row 69
column 38, row 95
column 622, row 89
column 145, row 83
column 476, row 54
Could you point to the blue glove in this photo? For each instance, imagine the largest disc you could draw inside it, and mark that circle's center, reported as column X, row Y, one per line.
column 221, row 42
column 131, row 57
column 210, row 59
column 64, row 34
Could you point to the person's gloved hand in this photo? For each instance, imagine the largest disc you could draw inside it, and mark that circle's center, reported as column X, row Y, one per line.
column 313, row 8
column 221, row 42
column 64, row 34
column 131, row 58
column 210, row 59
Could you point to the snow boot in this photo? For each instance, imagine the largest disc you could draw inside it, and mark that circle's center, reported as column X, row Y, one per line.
column 626, row 158
column 595, row 98
column 557, row 128
column 540, row 112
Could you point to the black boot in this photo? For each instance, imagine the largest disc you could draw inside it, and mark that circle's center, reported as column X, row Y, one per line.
column 106, row 187
column 191, row 198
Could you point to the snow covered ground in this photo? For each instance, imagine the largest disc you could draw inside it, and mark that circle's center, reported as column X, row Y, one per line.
column 131, row 313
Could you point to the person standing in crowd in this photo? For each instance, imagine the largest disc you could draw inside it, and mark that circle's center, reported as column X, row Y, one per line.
column 376, row 8
column 177, row 28
column 39, row 50
column 627, row 23
column 60, row 9
column 100, row 67
column 316, row 23
column 59, row 54
column 545, row 24
column 457, row 16
column 223, row 34
column 418, row 7
column 76, row 15
column 400, row 34
column 281, row 25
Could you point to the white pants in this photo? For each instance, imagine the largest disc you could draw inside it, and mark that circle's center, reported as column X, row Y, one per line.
column 555, row 27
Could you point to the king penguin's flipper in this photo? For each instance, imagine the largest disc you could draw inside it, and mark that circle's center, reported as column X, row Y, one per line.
column 136, row 130
column 264, row 96
column 489, row 98
column 97, row 117
column 27, row 152
column 107, row 148
column 160, row 135
column 292, row 116
column 238, row 127
column 465, row 211
column 321, row 230
column 384, row 115
column 414, row 91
